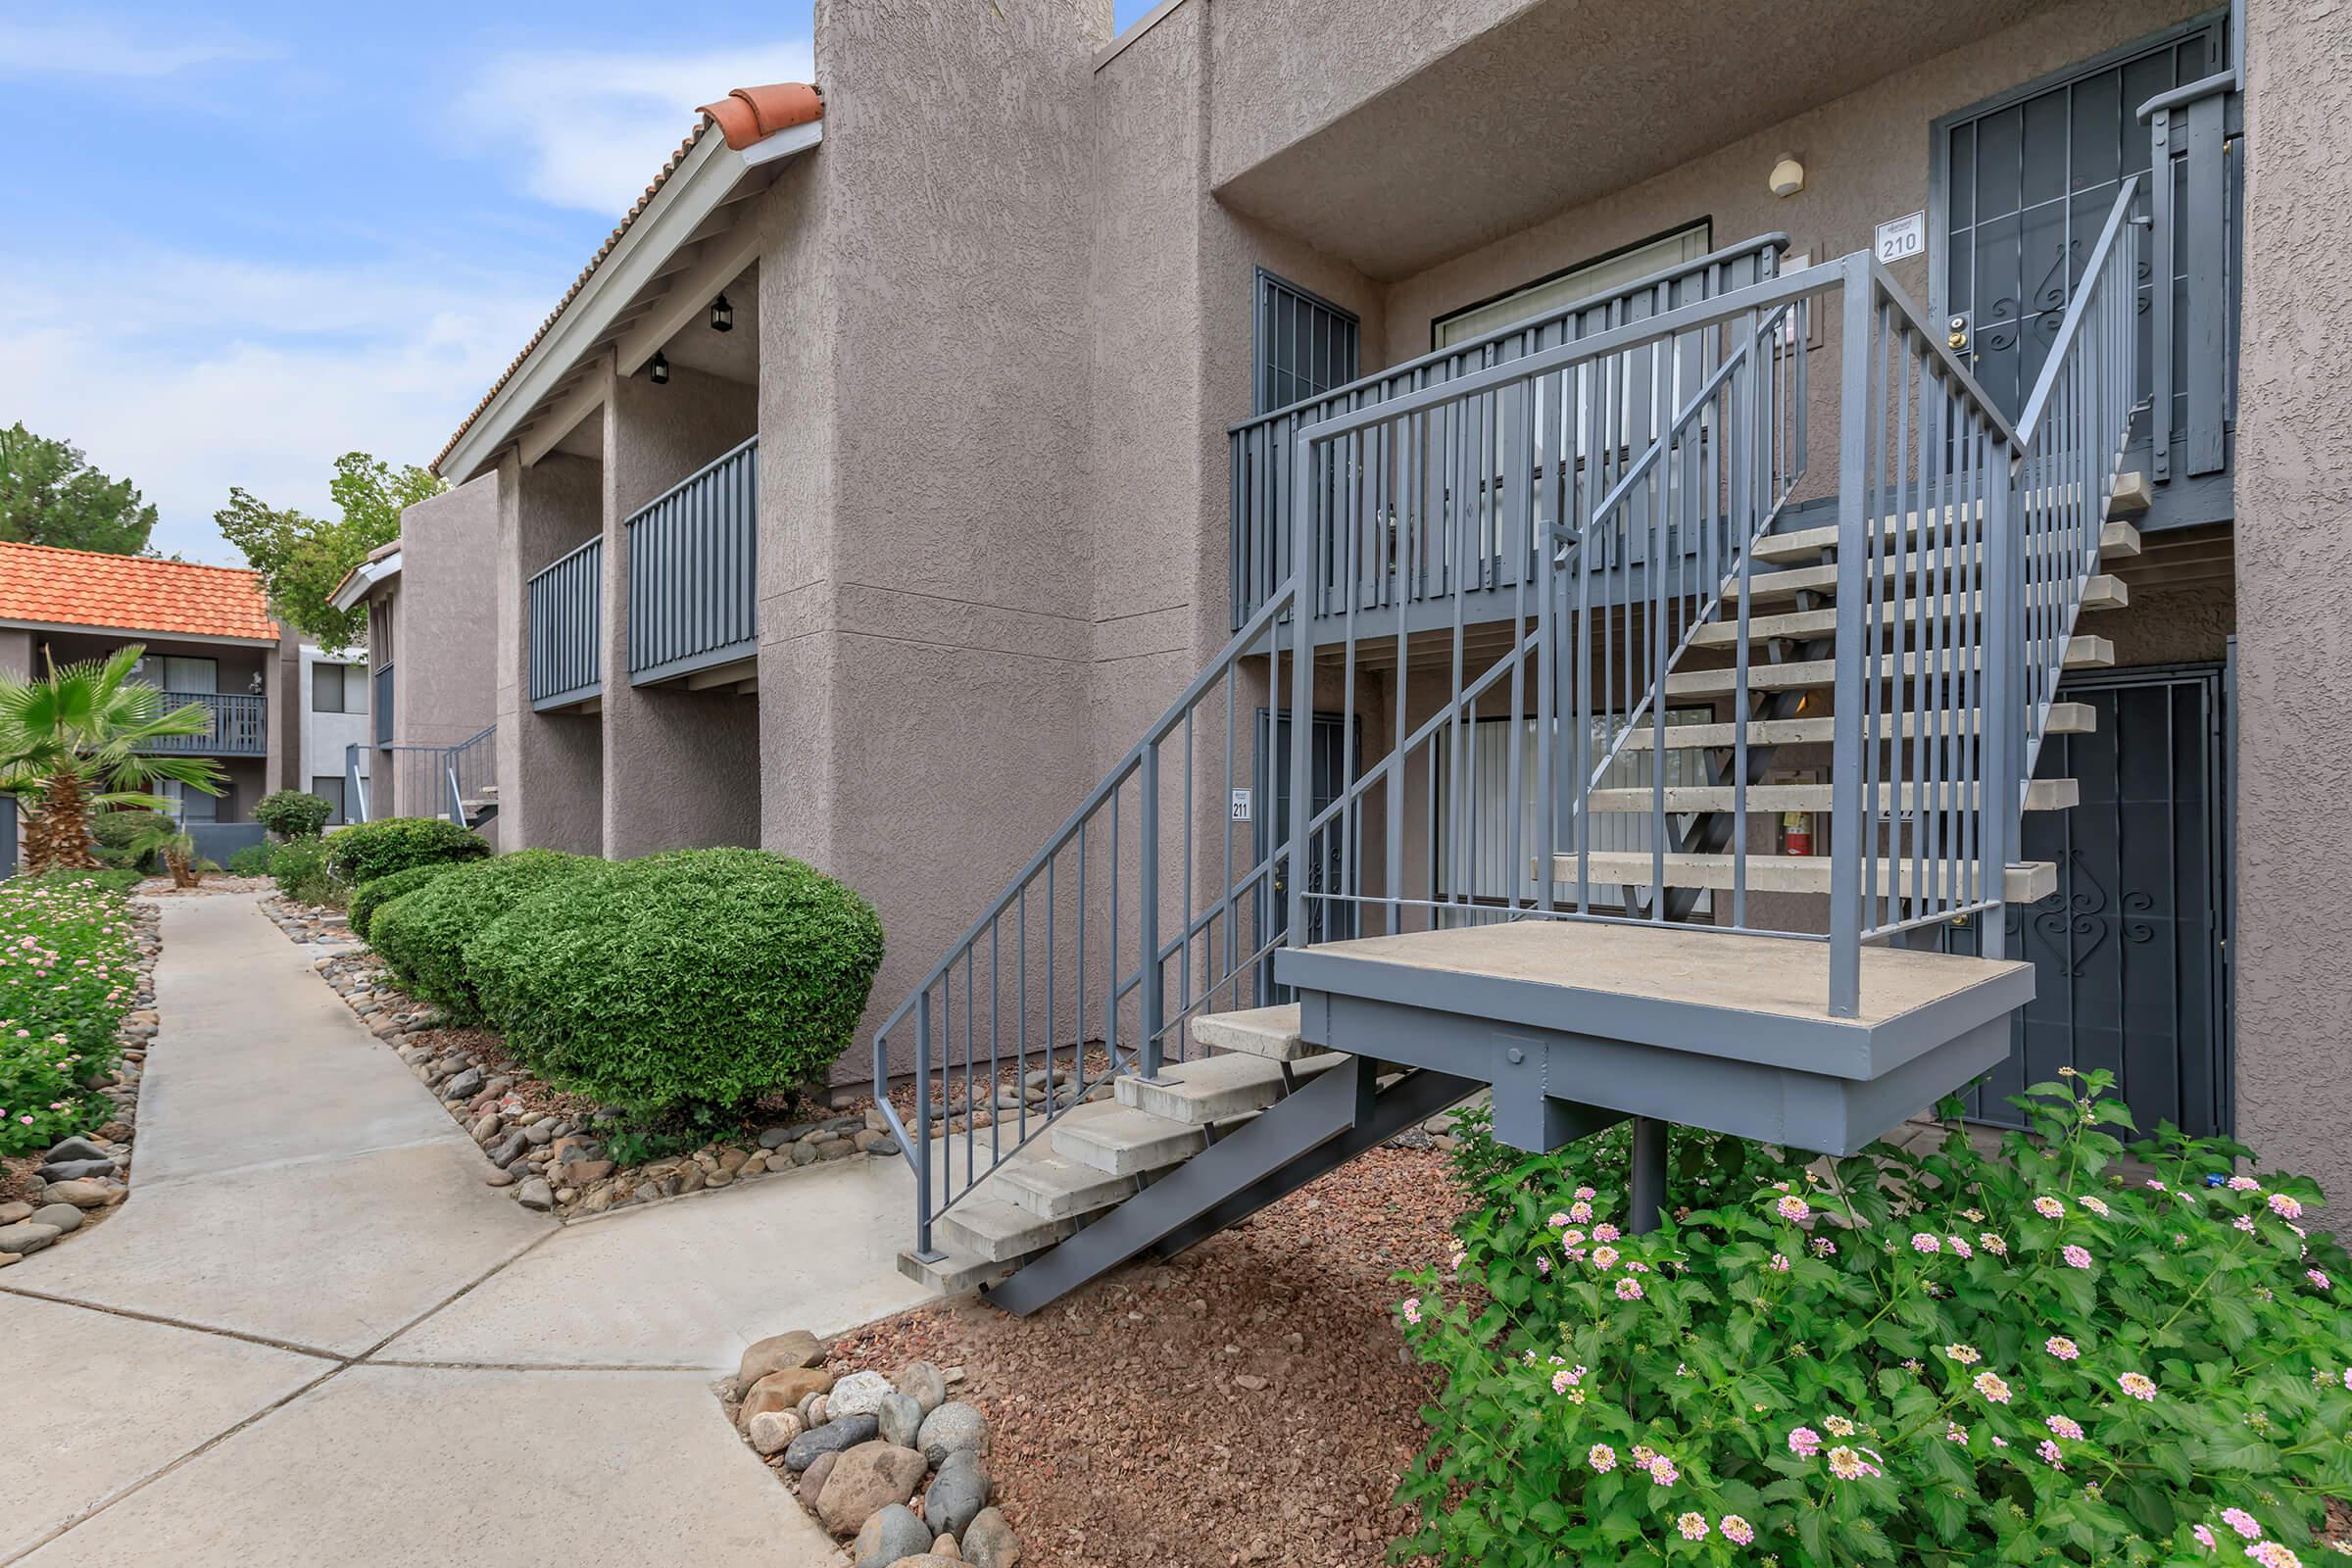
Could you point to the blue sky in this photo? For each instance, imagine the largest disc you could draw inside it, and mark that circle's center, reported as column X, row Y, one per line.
column 243, row 239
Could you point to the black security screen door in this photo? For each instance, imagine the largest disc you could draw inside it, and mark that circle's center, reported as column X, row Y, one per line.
column 2130, row 970
column 2024, row 183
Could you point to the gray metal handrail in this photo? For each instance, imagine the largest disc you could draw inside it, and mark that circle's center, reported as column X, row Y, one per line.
column 1260, row 445
column 694, row 569
column 454, row 779
column 566, row 605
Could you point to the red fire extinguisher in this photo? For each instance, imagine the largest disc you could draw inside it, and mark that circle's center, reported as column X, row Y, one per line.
column 1797, row 833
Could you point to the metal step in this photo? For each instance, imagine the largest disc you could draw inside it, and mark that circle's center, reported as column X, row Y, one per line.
column 1268, row 1032
column 998, row 1232
column 1212, row 1088
column 2102, row 592
column 2041, row 795
column 2064, row 718
column 2028, row 883
column 2081, row 653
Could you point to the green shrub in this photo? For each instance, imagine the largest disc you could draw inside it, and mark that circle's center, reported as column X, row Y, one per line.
column 299, row 866
column 293, row 813
column 423, row 934
column 699, row 977
column 67, row 971
column 1943, row 1358
column 251, row 861
column 117, row 835
column 366, row 850
column 371, row 896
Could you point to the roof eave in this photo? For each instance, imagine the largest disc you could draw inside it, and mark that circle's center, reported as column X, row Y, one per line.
column 700, row 186
column 362, row 580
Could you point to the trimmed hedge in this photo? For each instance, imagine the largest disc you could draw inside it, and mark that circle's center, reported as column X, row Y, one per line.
column 366, row 850
column 697, row 977
column 371, row 896
column 293, row 813
column 423, row 934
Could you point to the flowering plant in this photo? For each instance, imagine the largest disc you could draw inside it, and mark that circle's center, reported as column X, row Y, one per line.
column 2051, row 1356
column 67, row 972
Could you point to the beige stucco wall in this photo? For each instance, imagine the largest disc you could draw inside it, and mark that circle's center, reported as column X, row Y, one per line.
column 681, row 769
column 550, row 766
column 2294, row 551
column 444, row 645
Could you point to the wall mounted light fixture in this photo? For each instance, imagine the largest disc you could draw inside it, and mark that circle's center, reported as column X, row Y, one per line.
column 657, row 368
column 1787, row 176
column 723, row 315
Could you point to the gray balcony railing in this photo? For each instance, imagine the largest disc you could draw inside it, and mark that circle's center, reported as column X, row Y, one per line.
column 1428, row 565
column 567, row 608
column 240, row 726
column 384, row 704
column 694, row 570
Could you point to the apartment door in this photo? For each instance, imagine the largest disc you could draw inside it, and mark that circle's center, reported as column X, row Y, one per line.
column 2022, row 185
column 2129, row 956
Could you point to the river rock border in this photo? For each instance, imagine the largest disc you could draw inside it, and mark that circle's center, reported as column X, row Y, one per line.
column 549, row 1148
column 83, row 1179
column 889, row 1463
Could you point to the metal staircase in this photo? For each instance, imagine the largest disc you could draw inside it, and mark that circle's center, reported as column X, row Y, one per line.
column 1572, row 621
column 458, row 782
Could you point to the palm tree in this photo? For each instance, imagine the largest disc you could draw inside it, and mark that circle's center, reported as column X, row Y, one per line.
column 71, row 742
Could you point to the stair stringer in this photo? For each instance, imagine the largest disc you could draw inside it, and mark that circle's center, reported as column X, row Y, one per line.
column 1334, row 1118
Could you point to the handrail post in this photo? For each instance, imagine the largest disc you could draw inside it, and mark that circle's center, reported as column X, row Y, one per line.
column 1853, row 650
column 1150, row 992
column 2004, row 675
column 923, row 1249
column 1303, row 682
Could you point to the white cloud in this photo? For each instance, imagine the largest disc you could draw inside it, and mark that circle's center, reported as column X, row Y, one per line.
column 590, row 130
column 188, row 374
column 94, row 46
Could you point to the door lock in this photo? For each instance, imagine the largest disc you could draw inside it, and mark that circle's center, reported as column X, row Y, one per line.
column 1957, row 340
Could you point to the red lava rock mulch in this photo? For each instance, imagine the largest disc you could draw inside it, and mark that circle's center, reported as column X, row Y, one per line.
column 1247, row 1403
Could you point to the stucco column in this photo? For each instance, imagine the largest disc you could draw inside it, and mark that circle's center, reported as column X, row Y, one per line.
column 550, row 766
column 2293, row 945
column 681, row 769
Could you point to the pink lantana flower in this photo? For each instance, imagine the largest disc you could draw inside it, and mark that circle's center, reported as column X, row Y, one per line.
column 1794, row 1207
column 2049, row 1208
column 2285, row 1207
column 1991, row 1387
column 1805, row 1443
column 1629, row 1289
column 2064, row 1426
column 2076, row 1257
column 1926, row 1242
column 1602, row 1457
column 2138, row 1385
column 1737, row 1531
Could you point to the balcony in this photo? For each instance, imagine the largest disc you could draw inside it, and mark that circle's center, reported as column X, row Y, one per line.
column 693, row 573
column 384, row 704
column 566, row 611
column 239, row 727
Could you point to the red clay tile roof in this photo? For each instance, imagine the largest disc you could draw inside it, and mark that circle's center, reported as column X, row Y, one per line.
column 132, row 593
column 745, row 116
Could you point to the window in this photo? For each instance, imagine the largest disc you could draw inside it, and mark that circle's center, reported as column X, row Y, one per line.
column 329, row 788
column 339, row 688
column 1483, row 867
column 1305, row 346
column 201, row 677
column 1602, row 277
column 193, row 806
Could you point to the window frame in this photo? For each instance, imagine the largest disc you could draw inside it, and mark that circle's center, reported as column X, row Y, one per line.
column 1703, row 226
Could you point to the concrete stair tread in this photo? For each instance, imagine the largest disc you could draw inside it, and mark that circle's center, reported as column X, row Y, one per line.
column 1798, row 551
column 951, row 1272
column 1269, row 1032
column 1128, row 1141
column 2081, row 653
column 2102, row 592
column 2041, row 795
column 1052, row 1187
column 2028, row 883
column 2117, row 538
column 1210, row 1088
column 2064, row 718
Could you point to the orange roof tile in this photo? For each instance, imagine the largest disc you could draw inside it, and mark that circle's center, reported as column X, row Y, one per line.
column 130, row 593
column 745, row 116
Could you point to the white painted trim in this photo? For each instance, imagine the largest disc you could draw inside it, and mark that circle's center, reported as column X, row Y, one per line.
column 548, row 429
column 722, row 260
column 362, row 579
column 1149, row 20
column 699, row 187
column 784, row 144
column 143, row 633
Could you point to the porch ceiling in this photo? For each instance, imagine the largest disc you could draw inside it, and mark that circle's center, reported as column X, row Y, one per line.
column 1567, row 101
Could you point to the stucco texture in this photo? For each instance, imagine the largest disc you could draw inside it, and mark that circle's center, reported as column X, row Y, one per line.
column 2294, row 555
column 550, row 766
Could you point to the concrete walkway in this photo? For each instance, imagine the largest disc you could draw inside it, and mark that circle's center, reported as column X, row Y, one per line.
column 314, row 1335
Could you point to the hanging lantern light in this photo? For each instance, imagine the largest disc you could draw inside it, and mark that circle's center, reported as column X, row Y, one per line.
column 723, row 315
column 656, row 370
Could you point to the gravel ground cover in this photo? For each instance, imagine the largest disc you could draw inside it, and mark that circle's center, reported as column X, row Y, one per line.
column 1247, row 1403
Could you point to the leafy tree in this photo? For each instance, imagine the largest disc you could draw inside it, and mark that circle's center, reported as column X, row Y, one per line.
column 69, row 743
column 50, row 495
column 302, row 558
